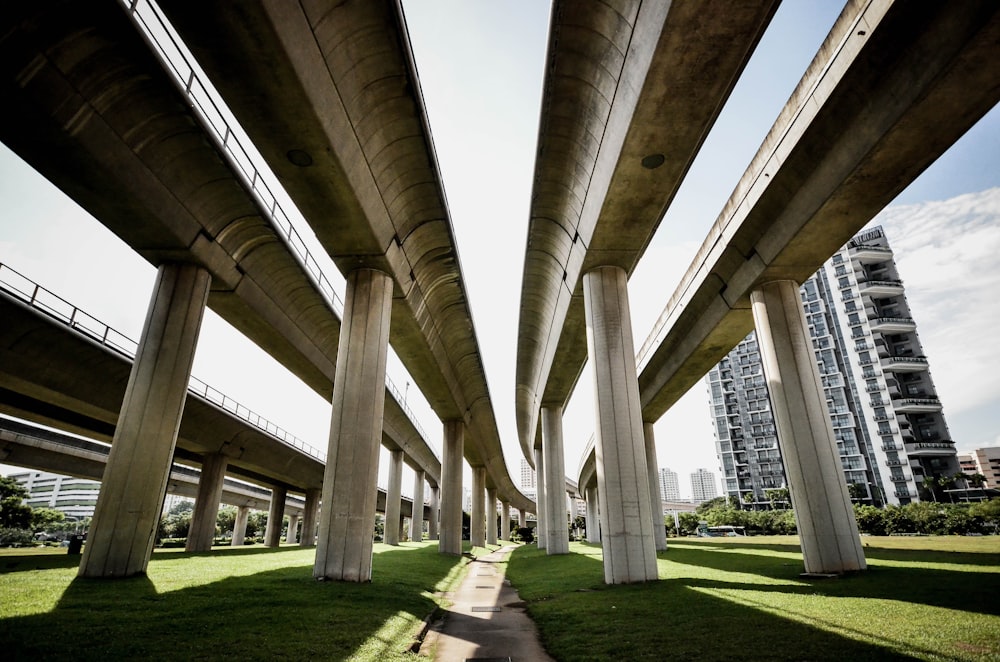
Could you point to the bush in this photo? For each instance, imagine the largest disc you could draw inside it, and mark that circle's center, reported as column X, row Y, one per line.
column 11, row 537
column 524, row 534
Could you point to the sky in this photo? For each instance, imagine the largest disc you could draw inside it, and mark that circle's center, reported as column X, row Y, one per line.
column 480, row 66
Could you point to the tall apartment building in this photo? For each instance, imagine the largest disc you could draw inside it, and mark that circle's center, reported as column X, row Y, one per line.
column 74, row 497
column 885, row 413
column 527, row 476
column 670, row 489
column 985, row 461
column 703, row 486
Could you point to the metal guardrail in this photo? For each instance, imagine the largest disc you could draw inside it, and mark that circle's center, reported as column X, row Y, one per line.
column 208, row 106
column 36, row 296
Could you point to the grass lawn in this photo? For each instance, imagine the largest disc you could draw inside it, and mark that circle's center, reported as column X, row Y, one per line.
column 231, row 603
column 930, row 598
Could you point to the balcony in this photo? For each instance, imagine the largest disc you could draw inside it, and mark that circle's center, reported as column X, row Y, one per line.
column 904, row 363
column 871, row 254
column 924, row 448
column 895, row 463
column 893, row 324
column 905, row 494
column 917, row 405
column 891, row 447
column 874, row 388
column 881, row 288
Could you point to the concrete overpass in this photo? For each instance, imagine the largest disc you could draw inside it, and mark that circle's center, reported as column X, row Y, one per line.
column 89, row 106
column 37, row 448
column 894, row 85
column 63, row 368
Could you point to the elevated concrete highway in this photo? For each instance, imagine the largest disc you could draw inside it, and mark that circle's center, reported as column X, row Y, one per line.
column 58, row 373
column 328, row 92
column 36, row 448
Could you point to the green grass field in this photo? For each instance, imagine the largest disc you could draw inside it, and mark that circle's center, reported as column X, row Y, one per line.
column 244, row 603
column 929, row 598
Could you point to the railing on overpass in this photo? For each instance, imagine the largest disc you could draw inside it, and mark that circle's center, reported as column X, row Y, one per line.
column 208, row 105
column 41, row 299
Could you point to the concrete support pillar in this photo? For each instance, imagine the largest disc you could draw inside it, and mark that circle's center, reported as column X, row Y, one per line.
column 308, row 537
column 393, row 495
column 540, row 522
column 417, row 515
column 477, row 514
column 451, row 487
column 491, row 515
column 434, row 506
column 134, row 485
column 206, row 504
column 347, row 521
column 505, row 520
column 275, row 516
column 655, row 498
column 240, row 526
column 622, row 479
column 522, row 519
column 827, row 528
column 292, row 536
column 593, row 518
column 556, row 530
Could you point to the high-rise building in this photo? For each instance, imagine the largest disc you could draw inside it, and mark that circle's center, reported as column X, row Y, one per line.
column 703, row 486
column 984, row 461
column 74, row 497
column 669, row 486
column 886, row 416
column 527, row 476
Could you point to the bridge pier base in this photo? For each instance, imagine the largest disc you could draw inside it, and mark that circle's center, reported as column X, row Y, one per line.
column 477, row 514
column 240, row 526
column 541, row 522
column 623, row 482
column 432, row 523
column 292, row 536
column 390, row 532
column 347, row 521
column 655, row 498
column 556, row 531
column 504, row 520
column 311, row 510
column 206, row 505
column 451, row 487
column 417, row 513
column 593, row 520
column 491, row 515
column 275, row 516
column 134, row 484
column 828, row 531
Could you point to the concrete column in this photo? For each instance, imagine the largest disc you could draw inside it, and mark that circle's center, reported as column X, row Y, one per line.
column 622, row 479
column 206, row 504
column 522, row 519
column 827, row 529
column 292, row 536
column 308, row 537
column 451, row 488
column 417, row 515
column 477, row 514
column 491, row 515
column 540, row 523
column 123, row 529
column 275, row 516
column 434, row 506
column 556, row 531
column 347, row 520
column 392, row 497
column 655, row 498
column 240, row 526
column 593, row 518
column 505, row 520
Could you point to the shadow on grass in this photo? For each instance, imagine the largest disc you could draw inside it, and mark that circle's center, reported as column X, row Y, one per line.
column 937, row 587
column 708, row 615
column 279, row 612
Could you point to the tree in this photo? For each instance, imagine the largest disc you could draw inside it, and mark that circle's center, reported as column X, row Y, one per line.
column 777, row 496
column 946, row 482
column 857, row 491
column 14, row 514
column 226, row 519
column 976, row 480
column 717, row 502
column 929, row 483
column 43, row 519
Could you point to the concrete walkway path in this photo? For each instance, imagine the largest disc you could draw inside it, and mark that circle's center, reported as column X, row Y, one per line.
column 486, row 621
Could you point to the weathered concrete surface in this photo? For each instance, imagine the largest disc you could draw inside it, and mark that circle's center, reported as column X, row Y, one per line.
column 486, row 619
column 556, row 529
column 451, row 488
column 201, row 532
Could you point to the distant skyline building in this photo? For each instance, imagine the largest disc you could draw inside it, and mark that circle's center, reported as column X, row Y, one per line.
column 885, row 413
column 670, row 489
column 985, row 461
column 703, row 485
column 527, row 476
column 74, row 497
